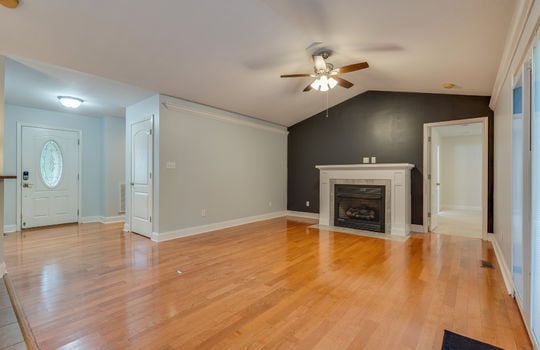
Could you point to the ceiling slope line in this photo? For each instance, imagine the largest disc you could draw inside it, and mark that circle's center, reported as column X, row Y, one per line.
column 178, row 107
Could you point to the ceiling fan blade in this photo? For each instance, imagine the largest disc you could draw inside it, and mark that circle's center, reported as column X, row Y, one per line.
column 352, row 67
column 319, row 62
column 294, row 75
column 10, row 3
column 342, row 82
column 307, row 88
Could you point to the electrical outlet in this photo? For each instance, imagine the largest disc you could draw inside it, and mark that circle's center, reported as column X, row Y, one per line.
column 373, row 160
column 203, row 212
column 307, row 203
column 365, row 160
column 170, row 165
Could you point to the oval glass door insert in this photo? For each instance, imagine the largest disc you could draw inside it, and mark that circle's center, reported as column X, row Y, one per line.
column 51, row 164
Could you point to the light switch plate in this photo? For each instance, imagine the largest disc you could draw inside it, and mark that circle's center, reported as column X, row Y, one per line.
column 170, row 165
column 365, row 160
column 373, row 160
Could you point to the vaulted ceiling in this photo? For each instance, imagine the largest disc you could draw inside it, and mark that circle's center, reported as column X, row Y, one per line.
column 229, row 54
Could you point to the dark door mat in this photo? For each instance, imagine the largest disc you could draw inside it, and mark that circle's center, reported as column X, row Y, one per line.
column 454, row 341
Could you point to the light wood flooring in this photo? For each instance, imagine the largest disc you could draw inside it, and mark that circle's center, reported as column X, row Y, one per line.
column 273, row 284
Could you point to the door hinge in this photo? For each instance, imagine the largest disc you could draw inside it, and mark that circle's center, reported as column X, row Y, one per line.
column 150, row 131
column 150, row 175
column 77, row 212
column 429, row 138
column 150, row 219
column 429, row 177
column 429, row 214
column 78, row 177
column 79, row 142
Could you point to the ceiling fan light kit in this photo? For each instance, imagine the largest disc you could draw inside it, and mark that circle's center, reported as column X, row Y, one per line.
column 326, row 75
column 10, row 3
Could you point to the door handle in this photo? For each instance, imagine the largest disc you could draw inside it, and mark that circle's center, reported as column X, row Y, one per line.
column 438, row 184
column 133, row 184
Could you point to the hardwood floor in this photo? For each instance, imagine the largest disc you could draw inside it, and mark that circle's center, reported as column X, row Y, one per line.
column 272, row 284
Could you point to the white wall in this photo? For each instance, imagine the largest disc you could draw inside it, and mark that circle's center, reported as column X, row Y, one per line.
column 233, row 170
column 113, row 155
column 99, row 165
column 461, row 172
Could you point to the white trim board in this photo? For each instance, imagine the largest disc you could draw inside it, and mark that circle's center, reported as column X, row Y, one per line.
column 3, row 269
column 221, row 116
column 190, row 231
column 102, row 219
column 10, row 228
column 302, row 214
column 505, row 271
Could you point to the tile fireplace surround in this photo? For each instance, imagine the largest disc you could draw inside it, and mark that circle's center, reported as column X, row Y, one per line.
column 395, row 177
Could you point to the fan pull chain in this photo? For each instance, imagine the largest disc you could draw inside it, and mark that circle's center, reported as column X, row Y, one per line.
column 327, row 92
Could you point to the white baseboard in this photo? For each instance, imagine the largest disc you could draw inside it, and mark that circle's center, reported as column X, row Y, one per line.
column 190, row 231
column 112, row 219
column 126, row 227
column 89, row 219
column 417, row 228
column 10, row 228
column 3, row 269
column 302, row 214
column 101, row 219
column 505, row 271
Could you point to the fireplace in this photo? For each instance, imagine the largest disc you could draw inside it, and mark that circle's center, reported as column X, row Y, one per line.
column 360, row 207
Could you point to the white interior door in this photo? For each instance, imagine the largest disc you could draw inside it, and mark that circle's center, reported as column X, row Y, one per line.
column 141, row 177
column 50, row 176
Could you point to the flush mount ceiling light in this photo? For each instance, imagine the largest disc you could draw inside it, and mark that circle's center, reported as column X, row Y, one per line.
column 70, row 102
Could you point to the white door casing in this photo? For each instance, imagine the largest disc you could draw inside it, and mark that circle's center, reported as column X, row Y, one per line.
column 435, row 183
column 141, row 177
column 49, row 176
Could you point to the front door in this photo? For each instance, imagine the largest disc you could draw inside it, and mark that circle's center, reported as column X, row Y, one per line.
column 141, row 177
column 50, row 176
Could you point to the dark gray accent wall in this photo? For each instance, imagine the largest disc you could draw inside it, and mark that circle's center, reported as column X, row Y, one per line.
column 387, row 125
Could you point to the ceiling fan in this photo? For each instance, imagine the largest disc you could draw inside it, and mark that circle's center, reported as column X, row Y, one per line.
column 326, row 76
column 10, row 3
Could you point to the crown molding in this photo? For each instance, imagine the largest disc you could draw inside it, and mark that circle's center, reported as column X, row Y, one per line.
column 224, row 118
column 523, row 25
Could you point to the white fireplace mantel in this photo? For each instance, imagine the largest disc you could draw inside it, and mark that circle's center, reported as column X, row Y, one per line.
column 397, row 175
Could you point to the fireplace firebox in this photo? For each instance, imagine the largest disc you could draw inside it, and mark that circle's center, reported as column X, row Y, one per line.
column 360, row 207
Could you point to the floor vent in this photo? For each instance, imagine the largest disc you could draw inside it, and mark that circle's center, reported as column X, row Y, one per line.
column 122, row 198
column 488, row 264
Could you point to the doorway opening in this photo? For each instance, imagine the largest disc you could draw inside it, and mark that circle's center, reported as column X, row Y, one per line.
column 455, row 177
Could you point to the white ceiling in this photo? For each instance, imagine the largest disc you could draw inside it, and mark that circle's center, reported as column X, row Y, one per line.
column 229, row 54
